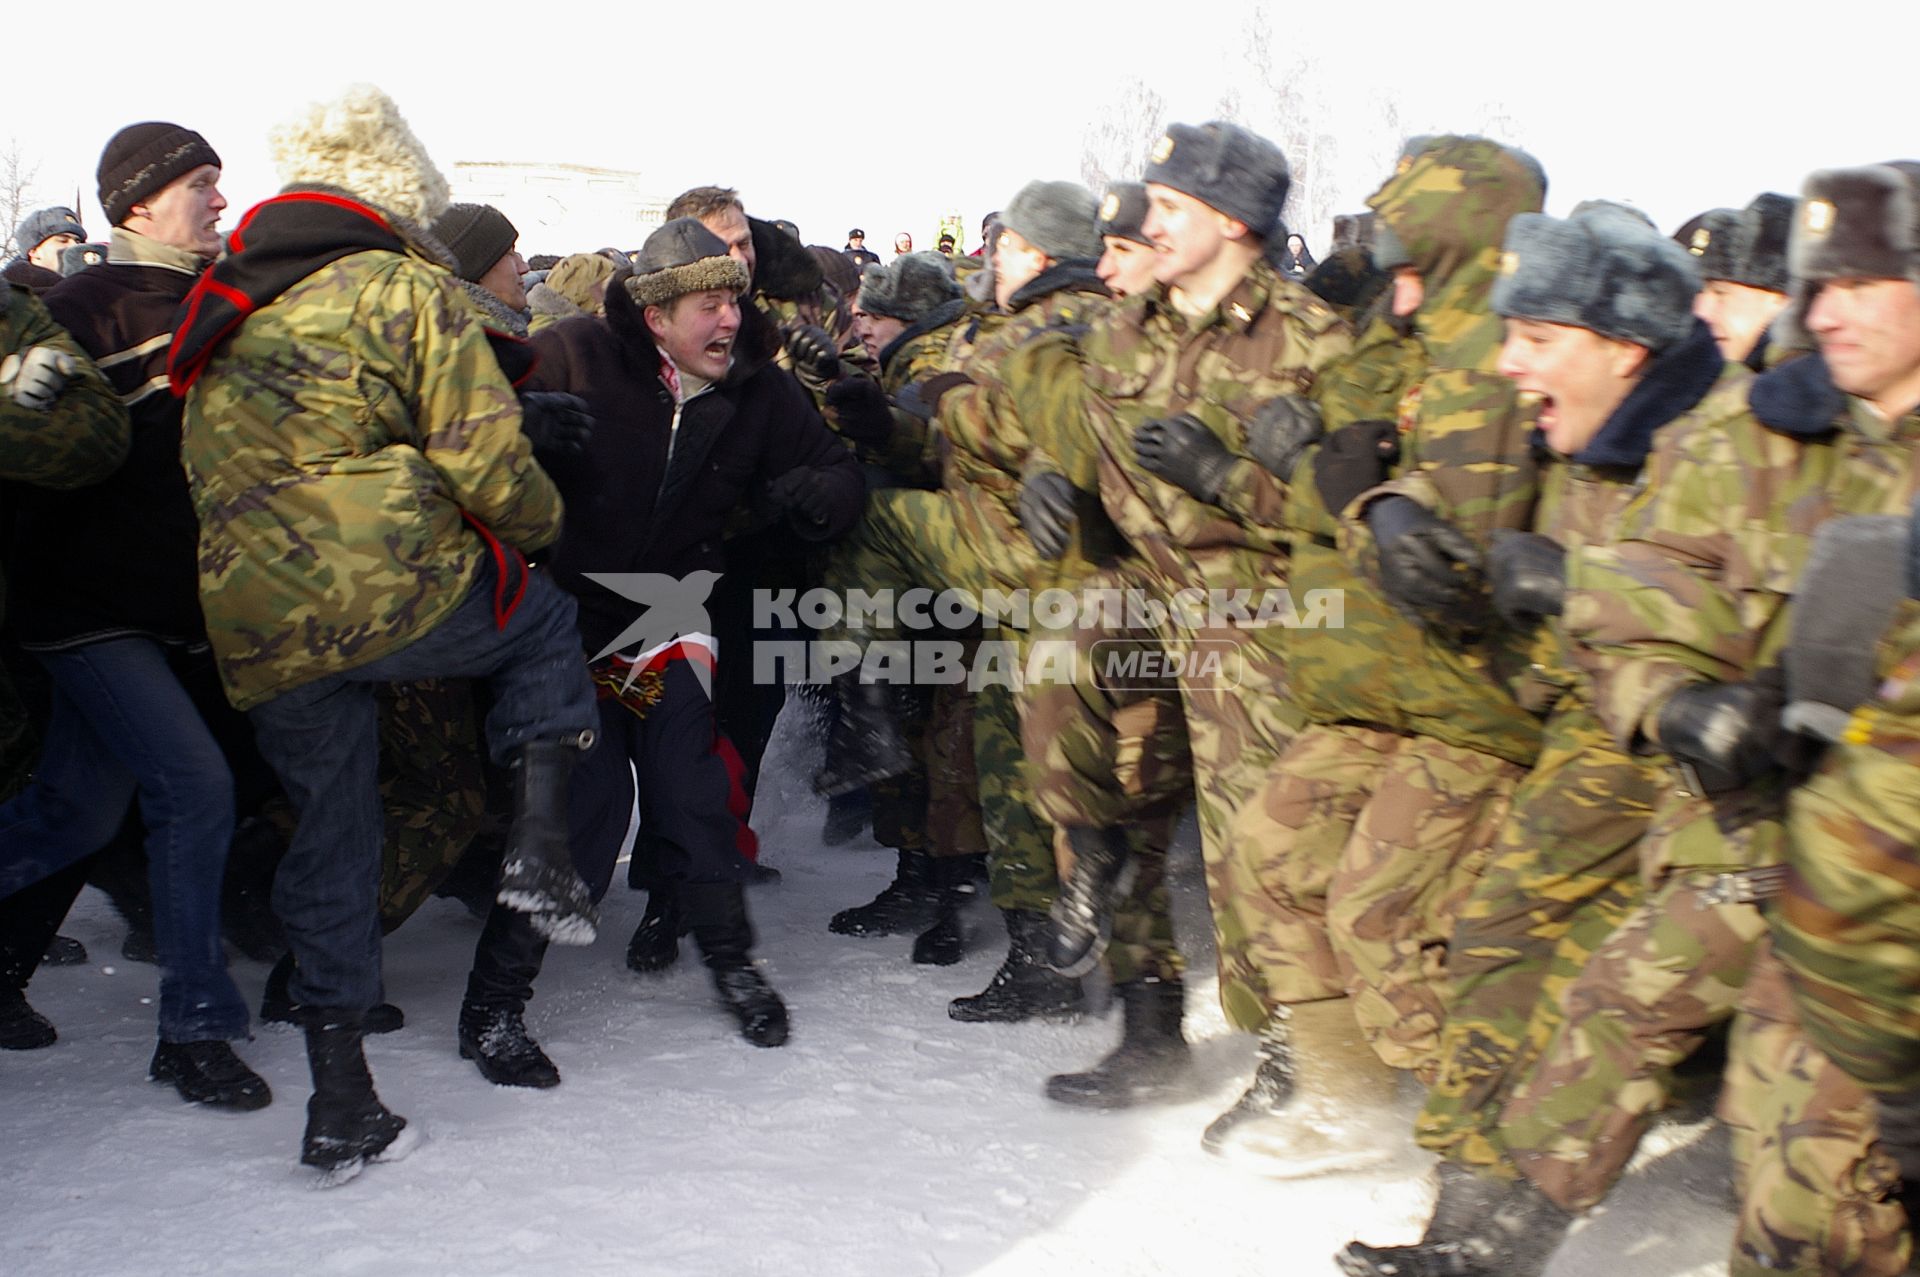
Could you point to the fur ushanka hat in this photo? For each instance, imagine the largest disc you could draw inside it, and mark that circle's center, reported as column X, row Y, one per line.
column 909, row 288
column 1743, row 245
column 1604, row 269
column 683, row 257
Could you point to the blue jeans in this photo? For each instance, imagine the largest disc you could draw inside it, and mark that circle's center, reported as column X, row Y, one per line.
column 124, row 725
column 323, row 740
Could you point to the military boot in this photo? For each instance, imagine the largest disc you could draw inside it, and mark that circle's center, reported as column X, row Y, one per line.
column 495, row 1038
column 908, row 903
column 656, row 941
column 865, row 744
column 1082, row 913
column 1151, row 1060
column 717, row 917
column 21, row 1027
column 1024, row 987
column 278, row 1007
column 945, row 942
column 347, row 1125
column 537, row 876
column 208, row 1072
column 1513, row 1233
column 1321, row 1100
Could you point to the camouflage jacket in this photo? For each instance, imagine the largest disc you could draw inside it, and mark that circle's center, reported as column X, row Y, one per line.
column 334, row 446
column 80, row 440
column 919, row 352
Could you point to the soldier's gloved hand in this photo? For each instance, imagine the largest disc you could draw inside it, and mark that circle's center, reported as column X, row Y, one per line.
column 1529, row 575
column 1728, row 735
column 812, row 351
column 805, row 495
column 36, row 377
column 1281, row 430
column 1047, row 513
column 861, row 410
column 922, row 398
column 559, row 427
column 1900, row 1134
column 1185, row 453
column 1354, row 459
column 1428, row 567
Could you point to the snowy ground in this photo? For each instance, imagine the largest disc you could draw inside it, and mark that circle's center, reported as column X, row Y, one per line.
column 884, row 1139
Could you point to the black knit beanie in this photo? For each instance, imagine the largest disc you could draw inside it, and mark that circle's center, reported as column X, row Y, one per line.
column 142, row 159
column 478, row 235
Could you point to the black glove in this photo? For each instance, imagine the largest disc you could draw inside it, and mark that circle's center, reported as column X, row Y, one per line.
column 861, row 410
column 812, row 352
column 1727, row 735
column 1281, row 430
column 1428, row 567
column 1353, row 459
column 1185, row 453
column 1529, row 575
column 559, row 427
column 1900, row 1134
column 922, row 398
column 806, row 495
column 1047, row 513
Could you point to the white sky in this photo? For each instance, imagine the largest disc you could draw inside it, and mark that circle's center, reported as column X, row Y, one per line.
column 886, row 116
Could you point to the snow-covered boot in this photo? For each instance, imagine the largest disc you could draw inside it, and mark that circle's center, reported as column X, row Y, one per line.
column 1151, row 1060
column 945, row 942
column 208, row 1072
column 908, row 903
column 278, row 1007
column 495, row 1038
column 717, row 917
column 1513, row 1233
column 347, row 1125
column 21, row 1027
column 865, row 744
column 656, row 941
column 1083, row 911
column 537, row 876
column 1023, row 987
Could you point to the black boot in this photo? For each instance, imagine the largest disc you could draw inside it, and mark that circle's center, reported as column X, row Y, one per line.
column 21, row 1027
column 1083, row 911
column 717, row 917
column 209, row 1073
column 945, row 942
column 656, row 941
column 537, row 876
column 347, row 1125
column 865, row 745
column 278, row 1007
column 496, row 1039
column 1151, row 1060
column 1271, row 1089
column 908, row 903
column 64, row 951
column 1490, row 1230
column 1024, row 987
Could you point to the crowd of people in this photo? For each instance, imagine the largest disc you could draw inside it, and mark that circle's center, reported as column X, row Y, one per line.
column 349, row 560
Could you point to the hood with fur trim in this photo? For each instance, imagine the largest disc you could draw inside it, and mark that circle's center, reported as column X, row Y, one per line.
column 359, row 143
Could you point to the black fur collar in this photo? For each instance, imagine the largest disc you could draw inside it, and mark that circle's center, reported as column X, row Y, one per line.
column 1798, row 398
column 782, row 267
column 1075, row 272
column 755, row 346
column 938, row 317
column 1677, row 379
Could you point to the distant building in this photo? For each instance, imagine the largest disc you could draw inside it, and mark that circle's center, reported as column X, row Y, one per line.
column 564, row 208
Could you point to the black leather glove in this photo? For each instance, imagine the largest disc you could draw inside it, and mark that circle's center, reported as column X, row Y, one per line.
column 1281, row 430
column 559, row 427
column 922, row 398
column 1900, row 1134
column 1353, row 459
column 1428, row 567
column 1047, row 513
column 861, row 410
column 1529, row 576
column 806, row 495
column 812, row 352
column 1185, row 453
column 1726, row 735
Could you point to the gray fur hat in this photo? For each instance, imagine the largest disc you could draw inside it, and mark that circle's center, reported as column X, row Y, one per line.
column 909, row 288
column 1061, row 219
column 1226, row 168
column 683, row 257
column 1123, row 213
column 1603, row 269
column 41, row 225
column 1743, row 245
column 1859, row 223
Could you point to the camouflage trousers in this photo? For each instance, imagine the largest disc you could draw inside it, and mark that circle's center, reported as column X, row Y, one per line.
column 1563, row 874
column 1817, row 1196
column 934, row 806
column 1641, row 1005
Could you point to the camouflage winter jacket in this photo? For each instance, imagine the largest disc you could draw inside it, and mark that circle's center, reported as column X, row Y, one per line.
column 336, row 446
column 80, row 440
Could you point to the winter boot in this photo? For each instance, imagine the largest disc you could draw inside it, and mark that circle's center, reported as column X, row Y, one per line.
column 347, row 1125
column 537, row 876
column 908, row 903
column 21, row 1027
column 496, row 1039
column 656, row 941
column 865, row 745
column 64, row 951
column 1491, row 1229
column 1320, row 1101
column 945, row 942
column 1151, row 1060
column 717, row 917
column 1083, row 911
column 847, row 815
column 278, row 1007
column 209, row 1073
column 1024, row 987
